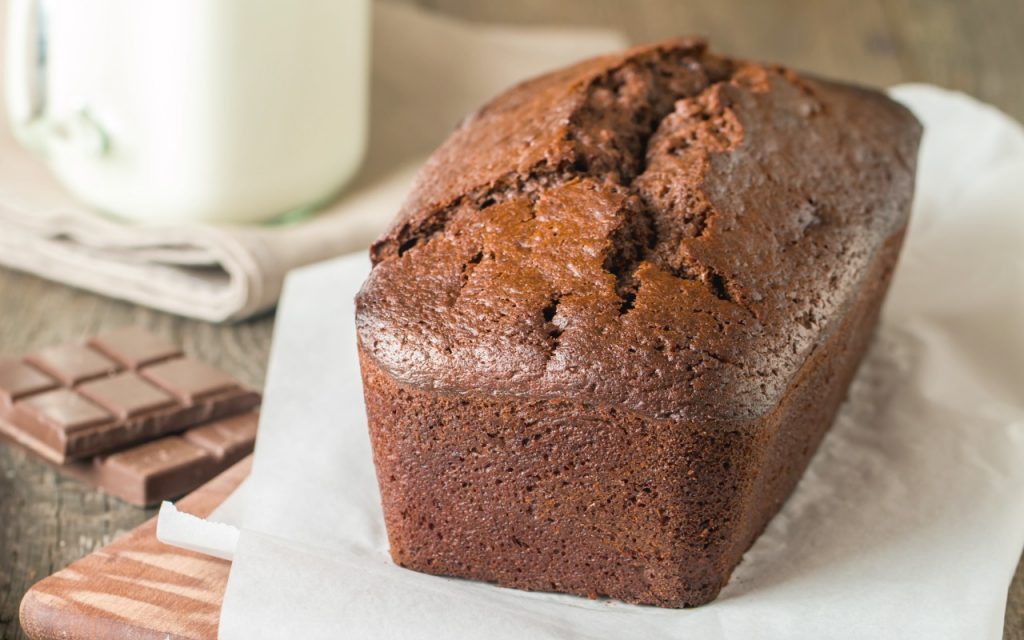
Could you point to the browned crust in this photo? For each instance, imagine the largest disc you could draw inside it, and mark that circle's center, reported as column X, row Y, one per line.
column 598, row 352
column 708, row 222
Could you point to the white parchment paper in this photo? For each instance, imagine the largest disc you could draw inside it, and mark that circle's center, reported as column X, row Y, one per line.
column 908, row 524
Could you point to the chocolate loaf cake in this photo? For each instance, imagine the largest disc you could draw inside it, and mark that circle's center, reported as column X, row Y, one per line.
column 617, row 314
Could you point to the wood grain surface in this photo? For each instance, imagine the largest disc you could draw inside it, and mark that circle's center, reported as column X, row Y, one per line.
column 47, row 522
column 138, row 587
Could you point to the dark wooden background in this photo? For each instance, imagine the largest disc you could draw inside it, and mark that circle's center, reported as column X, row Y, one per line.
column 977, row 46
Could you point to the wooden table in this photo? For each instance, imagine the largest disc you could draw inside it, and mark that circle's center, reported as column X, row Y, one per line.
column 47, row 521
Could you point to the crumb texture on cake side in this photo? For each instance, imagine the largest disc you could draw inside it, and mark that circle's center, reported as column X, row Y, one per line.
column 618, row 312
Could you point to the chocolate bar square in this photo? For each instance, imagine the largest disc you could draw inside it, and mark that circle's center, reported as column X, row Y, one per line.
column 134, row 347
column 19, row 379
column 73, row 363
column 126, row 395
column 189, row 380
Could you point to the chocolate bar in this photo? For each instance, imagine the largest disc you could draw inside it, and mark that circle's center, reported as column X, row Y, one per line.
column 122, row 388
column 171, row 466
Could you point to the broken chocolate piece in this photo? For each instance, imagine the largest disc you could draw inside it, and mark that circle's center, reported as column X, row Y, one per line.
column 74, row 401
column 172, row 466
column 227, row 439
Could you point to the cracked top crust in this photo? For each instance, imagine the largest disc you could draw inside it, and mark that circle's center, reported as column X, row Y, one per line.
column 664, row 230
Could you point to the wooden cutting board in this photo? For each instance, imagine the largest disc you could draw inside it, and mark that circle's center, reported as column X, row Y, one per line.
column 137, row 587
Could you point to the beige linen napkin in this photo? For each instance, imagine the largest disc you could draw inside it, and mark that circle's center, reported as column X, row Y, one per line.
column 428, row 72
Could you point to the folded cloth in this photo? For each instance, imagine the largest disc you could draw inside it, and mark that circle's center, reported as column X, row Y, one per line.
column 428, row 72
column 907, row 524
